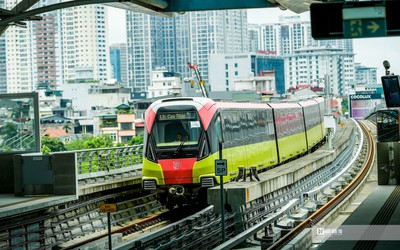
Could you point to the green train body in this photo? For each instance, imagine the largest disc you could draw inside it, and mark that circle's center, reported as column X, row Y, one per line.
column 256, row 135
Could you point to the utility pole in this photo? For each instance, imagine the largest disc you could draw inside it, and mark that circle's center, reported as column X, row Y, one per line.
column 329, row 121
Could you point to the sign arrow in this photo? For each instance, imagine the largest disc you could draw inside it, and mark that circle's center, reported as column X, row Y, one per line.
column 373, row 27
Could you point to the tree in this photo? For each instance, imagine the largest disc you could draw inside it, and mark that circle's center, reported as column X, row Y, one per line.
column 66, row 128
column 101, row 141
column 136, row 140
column 52, row 143
column 345, row 105
column 77, row 144
column 9, row 130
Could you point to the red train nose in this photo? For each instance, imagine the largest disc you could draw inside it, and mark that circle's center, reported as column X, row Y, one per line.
column 178, row 171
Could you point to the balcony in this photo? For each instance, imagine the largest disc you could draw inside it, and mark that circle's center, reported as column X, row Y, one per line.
column 109, row 125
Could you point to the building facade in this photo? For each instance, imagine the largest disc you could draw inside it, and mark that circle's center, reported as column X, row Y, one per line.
column 314, row 65
column 118, row 61
column 225, row 68
column 365, row 75
column 290, row 33
column 55, row 49
column 46, row 50
column 164, row 83
column 173, row 42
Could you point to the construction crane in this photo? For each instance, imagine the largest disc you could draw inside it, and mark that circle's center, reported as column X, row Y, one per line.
column 201, row 81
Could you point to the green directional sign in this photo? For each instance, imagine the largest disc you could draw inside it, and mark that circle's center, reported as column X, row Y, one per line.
column 364, row 28
column 364, row 22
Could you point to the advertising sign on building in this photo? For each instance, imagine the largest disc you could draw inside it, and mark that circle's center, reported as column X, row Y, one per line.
column 362, row 103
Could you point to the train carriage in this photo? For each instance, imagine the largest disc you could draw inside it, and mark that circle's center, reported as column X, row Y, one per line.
column 249, row 135
column 321, row 104
column 290, row 130
column 313, row 122
column 182, row 135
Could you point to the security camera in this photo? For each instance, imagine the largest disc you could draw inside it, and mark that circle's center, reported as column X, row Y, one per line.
column 386, row 64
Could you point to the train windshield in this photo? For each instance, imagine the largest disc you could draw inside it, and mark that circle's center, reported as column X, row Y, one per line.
column 177, row 129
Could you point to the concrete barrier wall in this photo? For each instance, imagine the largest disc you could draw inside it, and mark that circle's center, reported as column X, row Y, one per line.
column 6, row 174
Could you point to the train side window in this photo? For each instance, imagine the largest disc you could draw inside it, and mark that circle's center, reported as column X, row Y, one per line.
column 218, row 129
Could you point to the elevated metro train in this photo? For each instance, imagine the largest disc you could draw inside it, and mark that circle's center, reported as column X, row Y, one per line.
column 182, row 136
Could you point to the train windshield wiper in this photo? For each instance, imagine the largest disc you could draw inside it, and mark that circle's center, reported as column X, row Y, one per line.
column 178, row 149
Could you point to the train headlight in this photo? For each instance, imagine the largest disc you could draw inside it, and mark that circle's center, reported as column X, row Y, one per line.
column 149, row 185
column 207, row 182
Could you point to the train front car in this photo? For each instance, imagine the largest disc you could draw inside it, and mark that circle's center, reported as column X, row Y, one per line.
column 174, row 145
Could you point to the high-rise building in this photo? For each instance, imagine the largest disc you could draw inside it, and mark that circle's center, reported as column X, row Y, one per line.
column 285, row 36
column 173, row 42
column 254, row 31
column 314, row 65
column 84, row 42
column 225, row 68
column 3, row 66
column 45, row 50
column 55, row 49
column 3, row 60
column 307, row 61
column 289, row 34
column 118, row 61
column 365, row 75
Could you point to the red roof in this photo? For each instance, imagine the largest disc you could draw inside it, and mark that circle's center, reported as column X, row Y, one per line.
column 139, row 124
column 54, row 132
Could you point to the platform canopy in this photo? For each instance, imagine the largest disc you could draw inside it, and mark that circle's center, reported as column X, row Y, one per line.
column 25, row 9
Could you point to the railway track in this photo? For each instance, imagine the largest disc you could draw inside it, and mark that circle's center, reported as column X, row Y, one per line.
column 341, row 196
column 66, row 225
column 77, row 224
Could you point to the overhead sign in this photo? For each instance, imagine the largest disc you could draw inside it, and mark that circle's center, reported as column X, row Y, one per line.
column 355, row 19
column 108, row 208
column 364, row 22
column 221, row 168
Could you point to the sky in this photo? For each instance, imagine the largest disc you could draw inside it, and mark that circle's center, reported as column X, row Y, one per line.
column 370, row 52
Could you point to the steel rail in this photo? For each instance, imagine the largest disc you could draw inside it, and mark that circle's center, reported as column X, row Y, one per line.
column 324, row 210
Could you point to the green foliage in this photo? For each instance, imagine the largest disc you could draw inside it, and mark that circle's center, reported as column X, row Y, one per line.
column 136, row 140
column 54, row 144
column 66, row 128
column 124, row 111
column 345, row 105
column 9, row 130
column 86, row 142
column 77, row 144
column 46, row 150
column 101, row 141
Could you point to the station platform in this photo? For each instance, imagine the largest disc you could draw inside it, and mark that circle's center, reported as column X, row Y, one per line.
column 11, row 205
column 375, row 224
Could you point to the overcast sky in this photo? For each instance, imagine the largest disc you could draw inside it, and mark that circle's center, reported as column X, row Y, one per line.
column 369, row 52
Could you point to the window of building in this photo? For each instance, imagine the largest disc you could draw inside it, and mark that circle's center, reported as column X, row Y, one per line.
column 113, row 136
column 125, row 139
column 126, row 126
